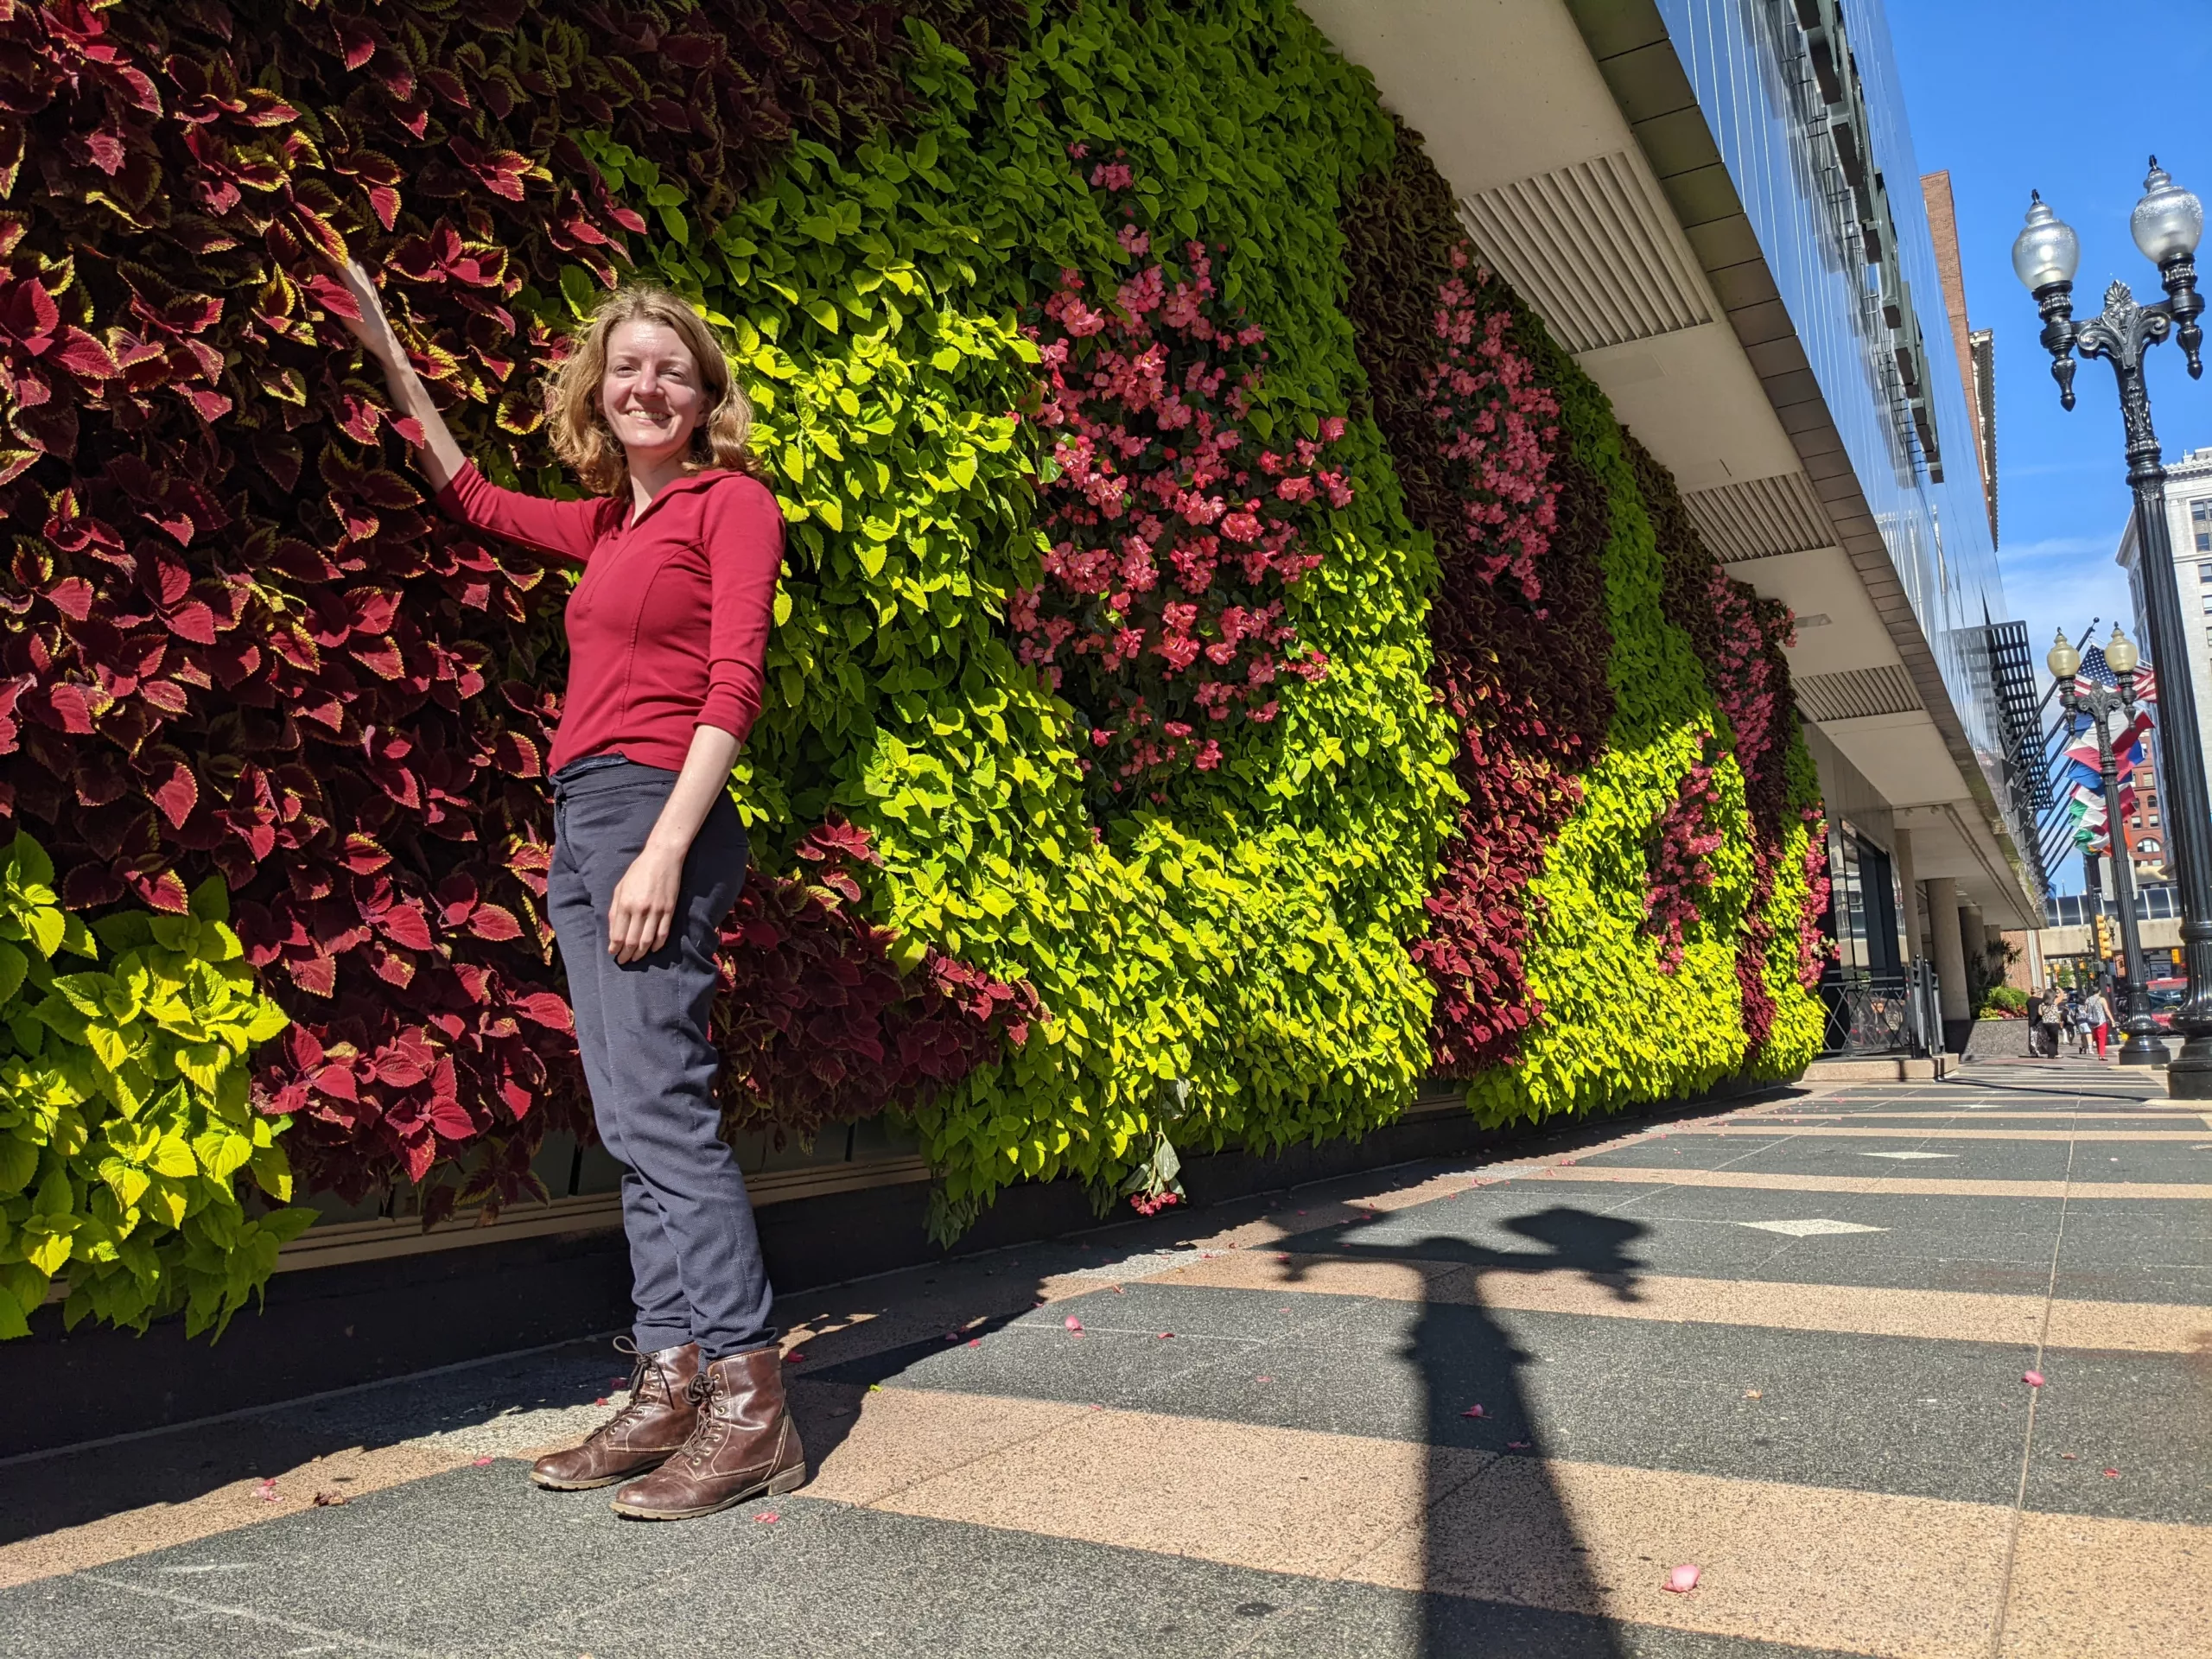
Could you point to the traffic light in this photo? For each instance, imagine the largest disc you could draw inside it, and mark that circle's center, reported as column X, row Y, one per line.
column 2104, row 938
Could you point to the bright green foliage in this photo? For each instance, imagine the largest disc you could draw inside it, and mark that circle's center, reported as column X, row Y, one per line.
column 123, row 1118
column 1618, row 1030
column 1249, row 937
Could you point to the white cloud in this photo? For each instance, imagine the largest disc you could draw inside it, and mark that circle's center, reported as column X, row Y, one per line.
column 2057, row 547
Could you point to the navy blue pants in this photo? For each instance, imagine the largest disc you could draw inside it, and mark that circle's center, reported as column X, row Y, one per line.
column 694, row 1257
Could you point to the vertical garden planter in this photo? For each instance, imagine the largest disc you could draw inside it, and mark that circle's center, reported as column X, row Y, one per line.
column 1231, row 665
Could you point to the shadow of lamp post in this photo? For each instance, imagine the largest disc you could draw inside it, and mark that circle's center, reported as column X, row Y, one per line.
column 2140, row 1042
column 2167, row 224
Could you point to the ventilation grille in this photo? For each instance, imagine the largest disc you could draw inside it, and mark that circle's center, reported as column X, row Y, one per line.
column 1760, row 518
column 1856, row 693
column 1589, row 248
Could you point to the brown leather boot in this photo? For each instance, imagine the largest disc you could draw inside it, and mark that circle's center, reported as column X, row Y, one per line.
column 745, row 1445
column 646, row 1432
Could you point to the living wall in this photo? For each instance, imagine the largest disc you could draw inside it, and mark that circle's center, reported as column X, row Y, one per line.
column 1231, row 664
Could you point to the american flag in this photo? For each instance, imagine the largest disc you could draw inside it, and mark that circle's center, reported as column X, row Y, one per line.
column 2095, row 672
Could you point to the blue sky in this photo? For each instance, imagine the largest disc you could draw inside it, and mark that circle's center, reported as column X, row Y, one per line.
column 2011, row 95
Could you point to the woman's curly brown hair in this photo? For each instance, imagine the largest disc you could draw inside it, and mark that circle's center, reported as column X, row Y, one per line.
column 579, row 434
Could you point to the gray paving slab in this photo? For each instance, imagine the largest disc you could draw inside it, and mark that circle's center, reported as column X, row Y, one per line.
column 1357, row 1619
column 1905, row 1155
column 86, row 1615
column 1924, row 1242
column 436, row 1566
column 2143, row 1415
column 2113, row 1235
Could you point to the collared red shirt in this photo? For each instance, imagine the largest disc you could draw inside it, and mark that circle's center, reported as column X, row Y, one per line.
column 668, row 628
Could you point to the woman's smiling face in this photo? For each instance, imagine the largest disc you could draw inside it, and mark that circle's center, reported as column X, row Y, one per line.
column 652, row 393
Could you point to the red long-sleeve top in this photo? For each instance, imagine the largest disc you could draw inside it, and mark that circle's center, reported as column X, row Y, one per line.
column 668, row 628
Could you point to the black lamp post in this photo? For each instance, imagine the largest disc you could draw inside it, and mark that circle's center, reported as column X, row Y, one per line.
column 2139, row 1043
column 2167, row 225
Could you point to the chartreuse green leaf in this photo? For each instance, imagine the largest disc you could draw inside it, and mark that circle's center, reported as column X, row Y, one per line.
column 122, row 1134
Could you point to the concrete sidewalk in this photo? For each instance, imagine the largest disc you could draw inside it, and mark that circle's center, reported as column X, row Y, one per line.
column 1445, row 1410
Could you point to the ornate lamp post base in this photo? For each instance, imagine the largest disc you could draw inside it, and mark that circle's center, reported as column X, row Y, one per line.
column 2142, row 1048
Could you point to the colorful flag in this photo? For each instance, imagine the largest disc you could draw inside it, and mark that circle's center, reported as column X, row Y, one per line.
column 2095, row 672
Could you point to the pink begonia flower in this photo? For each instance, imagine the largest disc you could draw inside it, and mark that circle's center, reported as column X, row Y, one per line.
column 1148, row 403
column 1683, row 1578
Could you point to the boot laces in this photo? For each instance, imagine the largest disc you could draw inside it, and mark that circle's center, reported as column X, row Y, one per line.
column 710, row 1430
column 635, row 1408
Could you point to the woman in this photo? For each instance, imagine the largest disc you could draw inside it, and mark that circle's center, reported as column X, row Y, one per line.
column 2096, row 1016
column 2053, row 1013
column 668, row 631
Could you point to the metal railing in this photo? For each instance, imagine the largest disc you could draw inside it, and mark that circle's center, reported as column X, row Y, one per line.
column 1897, row 1012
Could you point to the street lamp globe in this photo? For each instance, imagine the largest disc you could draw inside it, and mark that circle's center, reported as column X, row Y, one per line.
column 2167, row 222
column 2120, row 655
column 2065, row 662
column 2046, row 250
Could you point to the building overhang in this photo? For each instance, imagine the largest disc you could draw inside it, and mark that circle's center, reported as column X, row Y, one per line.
column 1587, row 175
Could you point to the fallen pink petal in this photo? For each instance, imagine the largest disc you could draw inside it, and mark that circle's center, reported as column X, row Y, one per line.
column 2033, row 1379
column 975, row 1341
column 482, row 1463
column 1682, row 1580
column 2112, row 1474
column 1473, row 1411
column 1072, row 1322
column 766, row 1517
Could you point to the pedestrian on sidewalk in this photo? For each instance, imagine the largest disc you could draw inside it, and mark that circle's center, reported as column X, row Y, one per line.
column 2054, row 1001
column 2035, row 1024
column 680, row 543
column 2096, row 1014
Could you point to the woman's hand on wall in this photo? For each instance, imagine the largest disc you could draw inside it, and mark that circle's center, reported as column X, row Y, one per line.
column 373, row 329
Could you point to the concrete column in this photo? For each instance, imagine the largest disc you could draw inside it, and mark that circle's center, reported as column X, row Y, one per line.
column 1950, row 947
column 1913, row 916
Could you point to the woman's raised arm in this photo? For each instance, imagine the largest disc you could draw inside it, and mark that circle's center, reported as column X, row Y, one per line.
column 568, row 528
column 438, row 455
